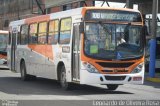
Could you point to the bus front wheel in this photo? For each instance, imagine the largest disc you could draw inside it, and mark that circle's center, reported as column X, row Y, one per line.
column 112, row 86
column 63, row 81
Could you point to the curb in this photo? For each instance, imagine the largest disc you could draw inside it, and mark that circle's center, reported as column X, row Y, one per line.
column 157, row 80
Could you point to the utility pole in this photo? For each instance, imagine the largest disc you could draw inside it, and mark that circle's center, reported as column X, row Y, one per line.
column 129, row 4
column 40, row 6
column 153, row 40
column 4, row 13
column 18, row 14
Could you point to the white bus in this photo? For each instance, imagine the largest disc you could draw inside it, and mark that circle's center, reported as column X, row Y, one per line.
column 88, row 45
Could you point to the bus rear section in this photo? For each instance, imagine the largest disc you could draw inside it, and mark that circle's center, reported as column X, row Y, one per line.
column 3, row 46
column 87, row 45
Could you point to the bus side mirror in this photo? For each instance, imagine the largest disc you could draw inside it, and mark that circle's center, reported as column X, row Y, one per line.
column 144, row 34
column 81, row 27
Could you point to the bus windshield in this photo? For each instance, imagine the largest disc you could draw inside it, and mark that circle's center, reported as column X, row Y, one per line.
column 3, row 42
column 113, row 41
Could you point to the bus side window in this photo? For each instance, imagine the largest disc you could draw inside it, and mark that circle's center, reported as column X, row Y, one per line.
column 65, row 31
column 33, row 36
column 24, row 35
column 42, row 33
column 53, row 32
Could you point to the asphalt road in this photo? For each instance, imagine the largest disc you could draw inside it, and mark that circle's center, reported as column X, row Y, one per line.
column 44, row 92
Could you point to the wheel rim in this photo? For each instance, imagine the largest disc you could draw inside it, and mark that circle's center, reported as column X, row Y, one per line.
column 63, row 79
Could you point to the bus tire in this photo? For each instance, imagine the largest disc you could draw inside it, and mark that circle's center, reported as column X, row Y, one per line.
column 63, row 82
column 24, row 75
column 112, row 86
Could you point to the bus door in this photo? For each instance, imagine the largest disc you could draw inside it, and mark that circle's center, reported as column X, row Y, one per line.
column 76, row 53
column 13, row 49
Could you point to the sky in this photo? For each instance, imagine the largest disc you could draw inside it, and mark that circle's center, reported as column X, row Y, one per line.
column 114, row 4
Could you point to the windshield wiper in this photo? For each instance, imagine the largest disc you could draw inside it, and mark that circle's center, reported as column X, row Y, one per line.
column 104, row 27
column 126, row 27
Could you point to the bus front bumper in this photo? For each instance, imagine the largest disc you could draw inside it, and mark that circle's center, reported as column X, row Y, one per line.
column 97, row 78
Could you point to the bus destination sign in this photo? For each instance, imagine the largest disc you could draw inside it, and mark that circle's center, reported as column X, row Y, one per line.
column 109, row 15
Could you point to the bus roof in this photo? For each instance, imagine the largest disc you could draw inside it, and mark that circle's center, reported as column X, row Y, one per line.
column 3, row 32
column 61, row 14
column 111, row 8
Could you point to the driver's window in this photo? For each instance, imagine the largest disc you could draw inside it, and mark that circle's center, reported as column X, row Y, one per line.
column 91, row 31
column 134, row 36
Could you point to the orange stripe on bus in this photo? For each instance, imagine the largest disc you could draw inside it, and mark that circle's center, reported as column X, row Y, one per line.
column 3, row 56
column 37, row 19
column 45, row 50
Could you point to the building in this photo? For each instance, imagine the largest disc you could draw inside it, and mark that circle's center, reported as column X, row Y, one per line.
column 13, row 10
column 18, row 9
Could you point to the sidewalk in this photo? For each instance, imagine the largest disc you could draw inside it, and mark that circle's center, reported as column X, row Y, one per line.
column 151, row 84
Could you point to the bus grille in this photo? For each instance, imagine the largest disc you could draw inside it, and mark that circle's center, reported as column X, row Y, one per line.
column 114, row 71
column 115, row 65
column 115, row 78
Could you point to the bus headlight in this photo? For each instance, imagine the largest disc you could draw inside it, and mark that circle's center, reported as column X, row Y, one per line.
column 90, row 68
column 138, row 68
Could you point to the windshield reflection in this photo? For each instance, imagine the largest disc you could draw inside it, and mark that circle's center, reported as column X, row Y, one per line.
column 113, row 41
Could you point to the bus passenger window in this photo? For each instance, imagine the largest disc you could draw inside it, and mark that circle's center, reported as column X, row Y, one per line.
column 33, row 34
column 42, row 33
column 24, row 35
column 53, row 32
column 65, row 31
